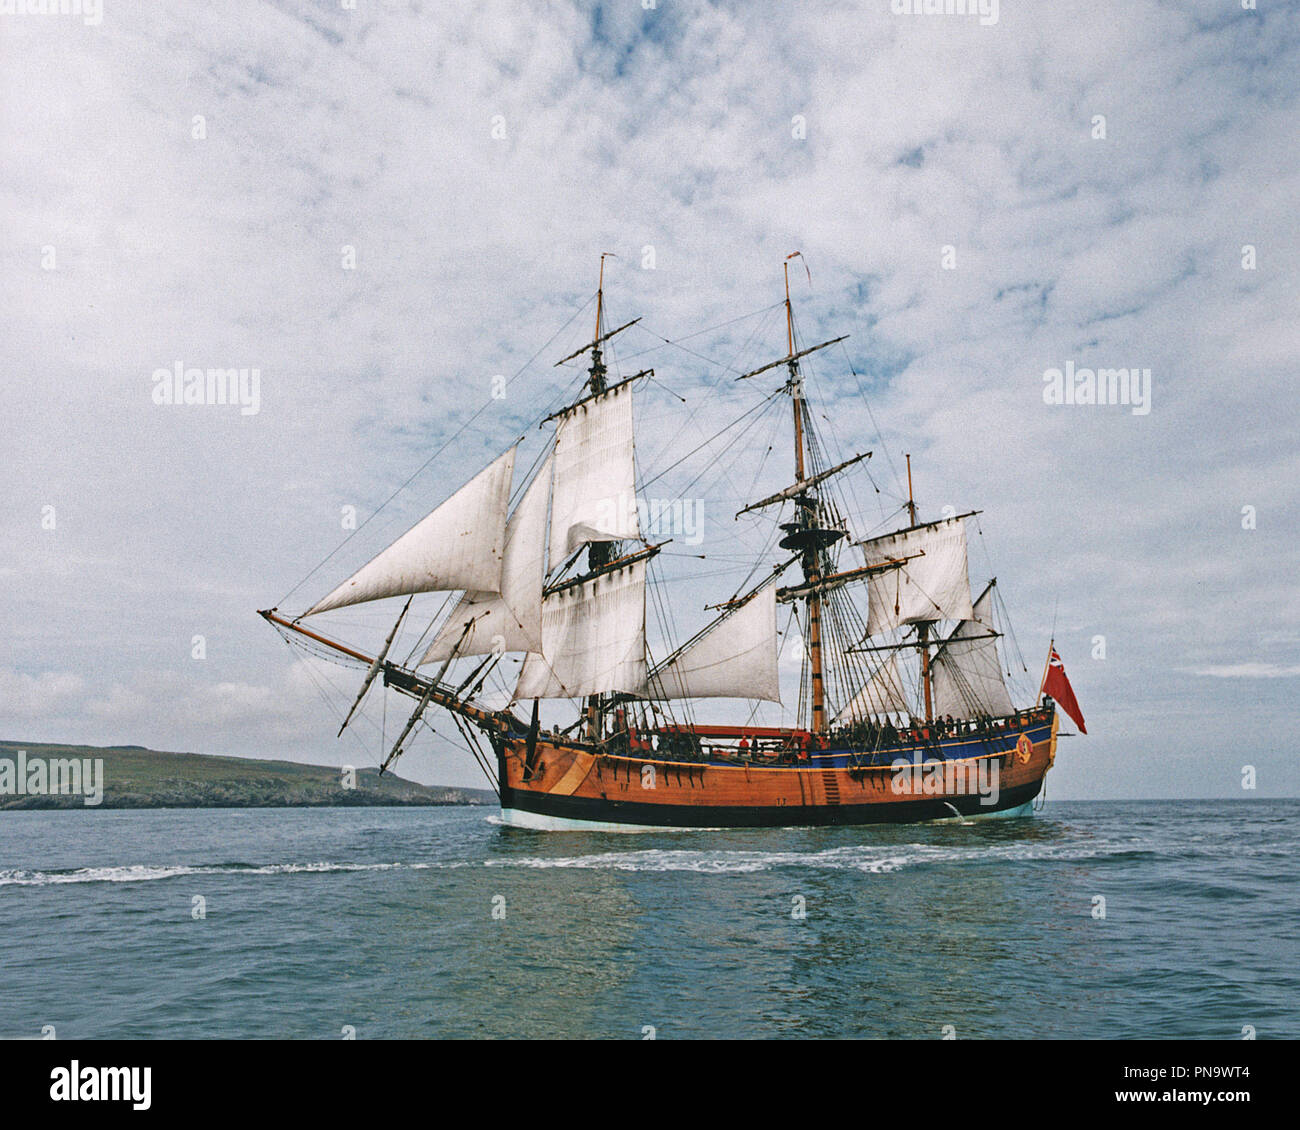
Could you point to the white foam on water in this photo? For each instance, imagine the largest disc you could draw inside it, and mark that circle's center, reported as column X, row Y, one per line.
column 881, row 859
column 878, row 859
column 715, row 862
column 141, row 873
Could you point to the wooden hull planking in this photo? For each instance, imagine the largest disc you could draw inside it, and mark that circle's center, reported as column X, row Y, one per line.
column 571, row 782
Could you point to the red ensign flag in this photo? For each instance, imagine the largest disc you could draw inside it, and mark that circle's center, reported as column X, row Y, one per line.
column 1057, row 686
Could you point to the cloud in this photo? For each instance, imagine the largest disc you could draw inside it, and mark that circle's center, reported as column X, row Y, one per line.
column 32, row 696
column 478, row 161
column 1249, row 671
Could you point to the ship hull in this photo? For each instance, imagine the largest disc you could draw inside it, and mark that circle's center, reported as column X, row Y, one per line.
column 604, row 816
column 571, row 787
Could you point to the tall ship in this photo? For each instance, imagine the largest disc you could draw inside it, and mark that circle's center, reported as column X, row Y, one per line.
column 539, row 653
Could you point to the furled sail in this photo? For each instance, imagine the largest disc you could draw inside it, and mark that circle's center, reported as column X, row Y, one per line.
column 513, row 616
column 460, row 545
column 933, row 585
column 966, row 675
column 880, row 695
column 593, row 639
column 735, row 658
column 595, row 491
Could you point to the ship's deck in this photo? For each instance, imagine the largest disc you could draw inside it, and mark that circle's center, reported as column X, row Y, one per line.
column 771, row 748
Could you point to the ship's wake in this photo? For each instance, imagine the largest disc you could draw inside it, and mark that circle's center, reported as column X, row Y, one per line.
column 876, row 859
column 142, row 873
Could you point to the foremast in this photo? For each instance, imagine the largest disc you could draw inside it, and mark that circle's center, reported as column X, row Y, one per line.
column 600, row 554
column 472, row 543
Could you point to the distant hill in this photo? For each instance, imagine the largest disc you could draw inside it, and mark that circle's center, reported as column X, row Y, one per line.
column 136, row 777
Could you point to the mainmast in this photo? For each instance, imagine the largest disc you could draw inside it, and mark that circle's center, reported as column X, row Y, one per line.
column 806, row 536
column 807, row 505
column 923, row 628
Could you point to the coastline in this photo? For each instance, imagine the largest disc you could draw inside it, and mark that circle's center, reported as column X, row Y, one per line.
column 135, row 777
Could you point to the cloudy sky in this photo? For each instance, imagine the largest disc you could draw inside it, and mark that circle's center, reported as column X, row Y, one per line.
column 978, row 201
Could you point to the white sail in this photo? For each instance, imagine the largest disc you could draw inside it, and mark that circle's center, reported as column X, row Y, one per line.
column 881, row 694
column 932, row 586
column 513, row 616
column 593, row 639
column 460, row 545
column 736, row 658
column 595, row 490
column 966, row 674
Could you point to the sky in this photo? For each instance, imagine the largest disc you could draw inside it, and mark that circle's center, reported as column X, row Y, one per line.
column 382, row 207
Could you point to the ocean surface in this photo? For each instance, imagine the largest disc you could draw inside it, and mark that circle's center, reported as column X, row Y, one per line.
column 441, row 923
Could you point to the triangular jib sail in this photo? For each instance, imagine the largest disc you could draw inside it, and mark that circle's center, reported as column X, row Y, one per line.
column 510, row 620
column 882, row 695
column 460, row 545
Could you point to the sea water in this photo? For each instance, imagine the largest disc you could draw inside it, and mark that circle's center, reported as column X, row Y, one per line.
column 1098, row 920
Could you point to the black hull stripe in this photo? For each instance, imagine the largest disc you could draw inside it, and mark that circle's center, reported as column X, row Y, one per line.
column 766, row 816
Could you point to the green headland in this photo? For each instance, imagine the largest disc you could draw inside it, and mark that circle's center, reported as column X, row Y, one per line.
column 135, row 777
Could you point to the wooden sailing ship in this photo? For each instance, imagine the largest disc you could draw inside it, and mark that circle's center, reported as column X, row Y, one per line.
column 898, row 718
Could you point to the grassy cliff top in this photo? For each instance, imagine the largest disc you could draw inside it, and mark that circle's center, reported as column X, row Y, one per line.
column 136, row 777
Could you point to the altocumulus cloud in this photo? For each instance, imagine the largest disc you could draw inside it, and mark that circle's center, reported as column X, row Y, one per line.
column 1092, row 172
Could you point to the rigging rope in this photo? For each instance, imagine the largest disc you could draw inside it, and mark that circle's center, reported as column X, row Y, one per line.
column 456, row 435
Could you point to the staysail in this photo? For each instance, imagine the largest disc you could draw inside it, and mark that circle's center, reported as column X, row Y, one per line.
column 593, row 639
column 735, row 658
column 514, row 615
column 460, row 545
column 966, row 674
column 595, row 493
column 881, row 694
column 933, row 585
